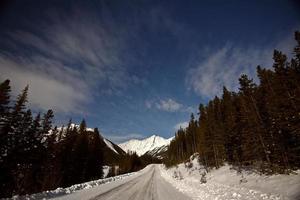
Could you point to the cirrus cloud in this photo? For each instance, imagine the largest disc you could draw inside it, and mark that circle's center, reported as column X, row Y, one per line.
column 168, row 105
column 182, row 125
column 66, row 59
column 124, row 137
column 223, row 66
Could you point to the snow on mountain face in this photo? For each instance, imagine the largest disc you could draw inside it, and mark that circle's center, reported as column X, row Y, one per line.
column 142, row 146
column 108, row 143
column 158, row 152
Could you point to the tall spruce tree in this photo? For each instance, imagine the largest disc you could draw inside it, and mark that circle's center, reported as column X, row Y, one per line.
column 4, row 97
column 47, row 122
column 4, row 115
column 13, row 129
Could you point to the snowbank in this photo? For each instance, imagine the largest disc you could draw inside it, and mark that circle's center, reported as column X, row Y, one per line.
column 226, row 183
column 73, row 188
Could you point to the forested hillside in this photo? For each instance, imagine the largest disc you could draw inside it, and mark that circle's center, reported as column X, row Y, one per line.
column 35, row 156
column 256, row 127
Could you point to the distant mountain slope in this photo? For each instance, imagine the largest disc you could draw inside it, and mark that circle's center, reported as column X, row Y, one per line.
column 112, row 152
column 110, row 145
column 145, row 145
column 158, row 152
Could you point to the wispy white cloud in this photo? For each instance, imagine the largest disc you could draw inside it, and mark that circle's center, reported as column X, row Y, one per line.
column 223, row 66
column 66, row 62
column 45, row 91
column 190, row 109
column 148, row 104
column 182, row 125
column 123, row 138
column 168, row 105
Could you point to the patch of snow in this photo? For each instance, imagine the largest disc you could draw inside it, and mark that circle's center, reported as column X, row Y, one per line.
column 90, row 129
column 71, row 127
column 142, row 146
column 105, row 170
column 109, row 144
column 226, row 183
column 157, row 150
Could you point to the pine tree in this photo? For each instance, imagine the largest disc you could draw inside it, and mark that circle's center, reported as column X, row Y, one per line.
column 4, row 115
column 297, row 48
column 95, row 156
column 5, row 178
column 253, row 133
column 4, row 97
column 15, row 123
column 203, row 123
column 51, row 174
column 47, row 122
column 60, row 133
column 82, row 127
column 12, row 130
column 231, row 135
column 35, row 133
column 25, row 137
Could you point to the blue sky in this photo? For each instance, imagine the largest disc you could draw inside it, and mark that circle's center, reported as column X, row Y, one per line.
column 137, row 68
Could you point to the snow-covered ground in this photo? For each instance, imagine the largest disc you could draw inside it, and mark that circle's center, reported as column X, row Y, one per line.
column 226, row 183
column 77, row 187
column 142, row 146
column 146, row 184
column 183, row 182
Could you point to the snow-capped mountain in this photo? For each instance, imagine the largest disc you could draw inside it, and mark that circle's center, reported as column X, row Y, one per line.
column 145, row 145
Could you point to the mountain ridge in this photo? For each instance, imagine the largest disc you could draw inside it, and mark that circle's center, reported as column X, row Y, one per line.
column 112, row 152
column 141, row 146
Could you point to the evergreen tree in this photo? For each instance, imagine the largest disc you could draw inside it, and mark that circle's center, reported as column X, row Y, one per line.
column 35, row 132
column 231, row 134
column 14, row 126
column 4, row 115
column 82, row 126
column 47, row 122
column 95, row 156
column 4, row 97
column 253, row 130
column 35, row 157
column 51, row 174
column 297, row 48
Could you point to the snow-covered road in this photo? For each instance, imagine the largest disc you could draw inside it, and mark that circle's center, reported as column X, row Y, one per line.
column 180, row 182
column 146, row 185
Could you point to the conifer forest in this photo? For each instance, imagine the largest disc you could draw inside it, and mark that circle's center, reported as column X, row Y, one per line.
column 35, row 156
column 256, row 127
